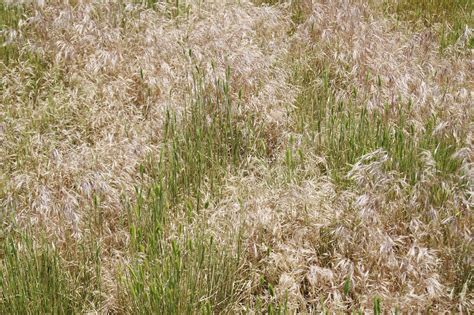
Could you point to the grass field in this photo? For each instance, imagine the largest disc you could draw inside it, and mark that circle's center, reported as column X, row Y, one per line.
column 280, row 157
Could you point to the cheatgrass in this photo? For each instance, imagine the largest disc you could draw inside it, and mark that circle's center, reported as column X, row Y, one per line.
column 172, row 261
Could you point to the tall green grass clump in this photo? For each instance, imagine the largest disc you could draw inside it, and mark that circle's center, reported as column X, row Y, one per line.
column 35, row 278
column 177, row 267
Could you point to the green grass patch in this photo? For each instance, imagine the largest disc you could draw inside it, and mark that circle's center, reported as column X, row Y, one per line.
column 36, row 279
column 177, row 267
column 10, row 15
column 171, row 8
column 454, row 15
column 184, row 274
column 344, row 131
column 211, row 138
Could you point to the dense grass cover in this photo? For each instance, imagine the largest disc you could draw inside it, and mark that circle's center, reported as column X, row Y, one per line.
column 454, row 17
column 182, row 157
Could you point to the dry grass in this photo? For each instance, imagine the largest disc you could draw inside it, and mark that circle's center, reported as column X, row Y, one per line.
column 319, row 154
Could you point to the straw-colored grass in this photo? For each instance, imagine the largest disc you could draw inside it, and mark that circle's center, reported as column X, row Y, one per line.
column 236, row 156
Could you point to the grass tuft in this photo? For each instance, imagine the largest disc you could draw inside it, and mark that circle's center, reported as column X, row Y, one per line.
column 36, row 278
